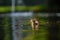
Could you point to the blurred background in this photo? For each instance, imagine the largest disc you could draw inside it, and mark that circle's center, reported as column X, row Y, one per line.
column 15, row 18
column 22, row 5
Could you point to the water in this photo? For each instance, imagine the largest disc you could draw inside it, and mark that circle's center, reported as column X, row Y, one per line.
column 26, row 32
column 21, row 31
column 34, row 35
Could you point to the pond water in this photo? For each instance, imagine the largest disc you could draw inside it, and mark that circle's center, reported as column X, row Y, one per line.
column 28, row 34
column 24, row 29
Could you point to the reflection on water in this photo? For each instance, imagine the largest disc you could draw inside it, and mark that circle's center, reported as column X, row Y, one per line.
column 28, row 34
column 22, row 22
column 34, row 35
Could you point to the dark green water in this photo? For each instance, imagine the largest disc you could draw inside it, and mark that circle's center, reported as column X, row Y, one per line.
column 41, row 34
